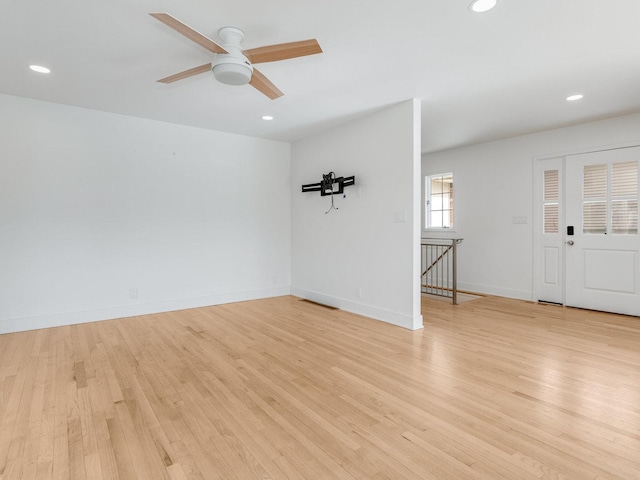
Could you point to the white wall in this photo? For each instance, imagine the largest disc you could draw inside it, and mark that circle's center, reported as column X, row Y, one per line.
column 493, row 182
column 360, row 246
column 94, row 204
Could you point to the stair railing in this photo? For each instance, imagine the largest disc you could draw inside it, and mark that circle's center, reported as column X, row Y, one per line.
column 439, row 267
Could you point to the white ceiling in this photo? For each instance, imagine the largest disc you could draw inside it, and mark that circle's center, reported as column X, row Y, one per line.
column 480, row 76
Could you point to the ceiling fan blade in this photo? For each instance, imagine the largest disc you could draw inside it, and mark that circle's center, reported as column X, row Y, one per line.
column 186, row 74
column 264, row 85
column 283, row 51
column 189, row 32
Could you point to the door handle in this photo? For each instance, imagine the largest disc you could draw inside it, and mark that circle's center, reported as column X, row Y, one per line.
column 570, row 242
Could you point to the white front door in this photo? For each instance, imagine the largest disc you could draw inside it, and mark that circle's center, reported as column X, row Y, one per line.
column 602, row 246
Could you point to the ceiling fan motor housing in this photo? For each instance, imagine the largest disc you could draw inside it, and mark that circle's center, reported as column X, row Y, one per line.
column 232, row 68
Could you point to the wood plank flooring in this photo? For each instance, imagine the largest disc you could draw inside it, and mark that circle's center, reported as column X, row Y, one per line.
column 283, row 389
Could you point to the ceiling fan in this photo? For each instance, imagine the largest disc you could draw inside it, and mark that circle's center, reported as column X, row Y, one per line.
column 231, row 64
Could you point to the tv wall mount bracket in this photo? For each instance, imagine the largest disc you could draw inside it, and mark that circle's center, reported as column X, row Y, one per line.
column 327, row 186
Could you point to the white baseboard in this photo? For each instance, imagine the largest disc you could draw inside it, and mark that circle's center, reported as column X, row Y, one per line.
column 71, row 318
column 497, row 291
column 388, row 316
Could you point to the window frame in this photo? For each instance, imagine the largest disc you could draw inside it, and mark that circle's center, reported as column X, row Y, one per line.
column 607, row 199
column 426, row 189
column 551, row 201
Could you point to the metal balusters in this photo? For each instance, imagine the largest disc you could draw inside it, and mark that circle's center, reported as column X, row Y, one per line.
column 439, row 267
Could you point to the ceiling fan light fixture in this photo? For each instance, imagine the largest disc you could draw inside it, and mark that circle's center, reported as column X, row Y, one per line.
column 480, row 6
column 232, row 71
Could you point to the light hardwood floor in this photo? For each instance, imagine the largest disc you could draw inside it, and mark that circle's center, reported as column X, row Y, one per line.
column 283, row 389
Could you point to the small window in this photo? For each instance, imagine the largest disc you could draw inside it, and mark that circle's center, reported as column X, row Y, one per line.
column 439, row 200
column 594, row 199
column 624, row 190
column 551, row 199
column 610, row 199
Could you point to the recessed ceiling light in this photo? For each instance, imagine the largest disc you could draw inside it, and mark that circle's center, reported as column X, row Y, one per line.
column 267, row 117
column 39, row 69
column 480, row 6
column 573, row 98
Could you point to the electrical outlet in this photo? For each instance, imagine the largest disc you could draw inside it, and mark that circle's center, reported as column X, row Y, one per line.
column 359, row 292
column 275, row 279
column 133, row 293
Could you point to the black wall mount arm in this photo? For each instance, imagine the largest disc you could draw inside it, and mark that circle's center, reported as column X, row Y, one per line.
column 326, row 186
